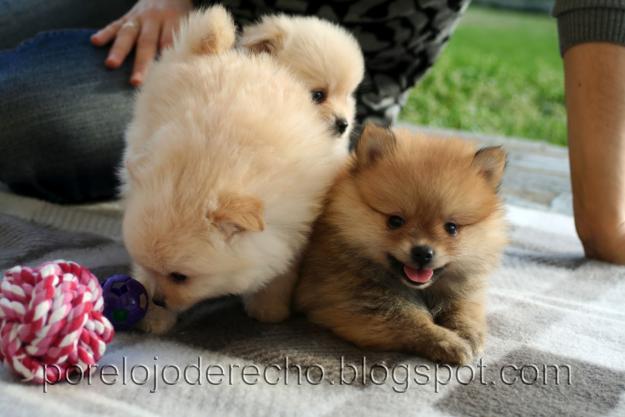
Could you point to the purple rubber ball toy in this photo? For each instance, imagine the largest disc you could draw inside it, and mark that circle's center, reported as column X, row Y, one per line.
column 125, row 301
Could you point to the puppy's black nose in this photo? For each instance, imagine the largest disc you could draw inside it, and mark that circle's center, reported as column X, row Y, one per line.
column 422, row 255
column 159, row 301
column 340, row 125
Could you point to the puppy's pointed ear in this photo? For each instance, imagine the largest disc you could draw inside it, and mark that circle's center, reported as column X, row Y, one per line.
column 491, row 162
column 264, row 37
column 235, row 214
column 375, row 143
column 205, row 32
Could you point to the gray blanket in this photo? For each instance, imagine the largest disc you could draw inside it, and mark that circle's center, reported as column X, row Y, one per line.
column 556, row 343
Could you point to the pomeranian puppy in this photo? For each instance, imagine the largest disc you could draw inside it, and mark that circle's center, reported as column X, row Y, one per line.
column 399, row 258
column 225, row 170
column 324, row 56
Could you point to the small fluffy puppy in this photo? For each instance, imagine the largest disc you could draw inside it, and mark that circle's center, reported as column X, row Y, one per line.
column 226, row 166
column 324, row 56
column 399, row 258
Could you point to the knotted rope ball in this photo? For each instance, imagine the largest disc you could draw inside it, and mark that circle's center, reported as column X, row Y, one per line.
column 51, row 321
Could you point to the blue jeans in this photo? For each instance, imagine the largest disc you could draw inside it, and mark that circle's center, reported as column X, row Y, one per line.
column 62, row 113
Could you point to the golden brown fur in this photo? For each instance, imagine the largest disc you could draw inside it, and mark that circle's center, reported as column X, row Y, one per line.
column 353, row 277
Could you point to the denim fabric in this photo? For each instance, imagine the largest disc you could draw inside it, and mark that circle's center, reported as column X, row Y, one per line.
column 62, row 118
column 62, row 114
column 23, row 19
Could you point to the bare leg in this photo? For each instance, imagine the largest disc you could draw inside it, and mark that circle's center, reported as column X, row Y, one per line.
column 595, row 100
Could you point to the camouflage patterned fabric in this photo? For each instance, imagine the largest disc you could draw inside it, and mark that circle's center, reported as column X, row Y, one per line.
column 400, row 39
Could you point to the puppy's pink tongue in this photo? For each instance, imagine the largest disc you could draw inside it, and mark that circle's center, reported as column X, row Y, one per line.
column 418, row 275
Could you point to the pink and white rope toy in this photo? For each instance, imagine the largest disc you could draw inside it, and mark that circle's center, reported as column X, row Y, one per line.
column 51, row 321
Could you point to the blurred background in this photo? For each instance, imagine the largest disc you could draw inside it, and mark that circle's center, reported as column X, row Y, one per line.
column 501, row 73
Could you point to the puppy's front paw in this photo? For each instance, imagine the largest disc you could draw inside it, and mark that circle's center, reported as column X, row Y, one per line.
column 267, row 312
column 476, row 339
column 473, row 332
column 157, row 320
column 452, row 349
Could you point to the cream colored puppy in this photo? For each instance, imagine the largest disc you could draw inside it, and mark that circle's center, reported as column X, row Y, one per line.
column 324, row 56
column 226, row 166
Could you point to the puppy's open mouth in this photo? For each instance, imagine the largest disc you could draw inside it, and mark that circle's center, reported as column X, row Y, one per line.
column 415, row 278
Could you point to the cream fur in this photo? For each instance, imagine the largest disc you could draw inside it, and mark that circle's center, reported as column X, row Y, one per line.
column 226, row 166
column 324, row 56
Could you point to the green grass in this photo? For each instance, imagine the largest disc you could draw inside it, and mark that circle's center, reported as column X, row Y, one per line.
column 501, row 73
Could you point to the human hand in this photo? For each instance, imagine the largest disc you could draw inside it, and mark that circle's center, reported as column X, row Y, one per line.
column 149, row 26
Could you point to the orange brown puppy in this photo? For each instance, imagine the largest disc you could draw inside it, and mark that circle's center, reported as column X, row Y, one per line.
column 400, row 257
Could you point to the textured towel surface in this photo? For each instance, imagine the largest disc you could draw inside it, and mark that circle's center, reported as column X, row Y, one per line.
column 556, row 344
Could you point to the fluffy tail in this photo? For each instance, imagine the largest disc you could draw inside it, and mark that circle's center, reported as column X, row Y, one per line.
column 205, row 32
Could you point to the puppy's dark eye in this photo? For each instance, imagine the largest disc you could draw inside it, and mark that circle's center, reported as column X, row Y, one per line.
column 395, row 222
column 178, row 277
column 451, row 228
column 318, row 96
